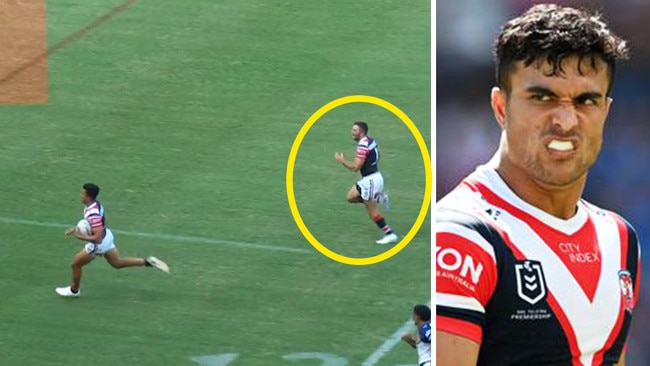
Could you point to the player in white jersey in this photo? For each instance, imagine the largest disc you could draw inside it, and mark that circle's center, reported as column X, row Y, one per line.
column 422, row 340
column 368, row 190
column 527, row 271
column 99, row 243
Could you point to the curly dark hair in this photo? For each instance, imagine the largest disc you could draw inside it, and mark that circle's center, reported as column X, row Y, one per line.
column 548, row 32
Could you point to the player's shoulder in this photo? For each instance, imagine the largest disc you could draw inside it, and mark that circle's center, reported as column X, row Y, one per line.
column 94, row 204
column 426, row 326
column 365, row 141
column 604, row 216
column 462, row 221
column 425, row 332
column 601, row 213
column 464, row 218
column 93, row 208
column 460, row 204
column 465, row 196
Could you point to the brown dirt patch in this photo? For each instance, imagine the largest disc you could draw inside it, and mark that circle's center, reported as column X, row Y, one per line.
column 23, row 41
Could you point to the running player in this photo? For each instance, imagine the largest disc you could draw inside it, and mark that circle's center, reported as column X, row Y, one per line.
column 369, row 190
column 528, row 272
column 99, row 243
column 421, row 341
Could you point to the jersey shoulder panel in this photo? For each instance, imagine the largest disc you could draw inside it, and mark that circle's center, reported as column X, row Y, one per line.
column 424, row 332
column 364, row 142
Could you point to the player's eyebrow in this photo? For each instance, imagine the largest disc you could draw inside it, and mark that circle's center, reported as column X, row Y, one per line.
column 536, row 89
column 590, row 95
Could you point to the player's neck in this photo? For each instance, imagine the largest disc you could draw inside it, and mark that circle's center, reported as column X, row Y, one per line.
column 560, row 202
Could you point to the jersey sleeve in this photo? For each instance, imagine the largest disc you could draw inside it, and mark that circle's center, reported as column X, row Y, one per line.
column 362, row 150
column 466, row 276
column 94, row 218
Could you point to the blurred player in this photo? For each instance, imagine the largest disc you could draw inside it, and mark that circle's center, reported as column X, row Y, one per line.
column 369, row 190
column 528, row 272
column 99, row 243
column 421, row 341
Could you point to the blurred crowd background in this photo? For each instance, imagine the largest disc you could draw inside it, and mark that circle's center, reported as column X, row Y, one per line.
column 467, row 134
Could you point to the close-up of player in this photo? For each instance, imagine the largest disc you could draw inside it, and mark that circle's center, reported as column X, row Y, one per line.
column 528, row 271
column 368, row 190
column 99, row 243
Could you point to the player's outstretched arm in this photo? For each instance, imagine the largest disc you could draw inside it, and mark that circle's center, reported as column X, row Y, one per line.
column 454, row 350
column 353, row 166
column 408, row 338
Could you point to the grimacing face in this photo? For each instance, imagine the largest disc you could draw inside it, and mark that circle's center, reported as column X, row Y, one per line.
column 553, row 125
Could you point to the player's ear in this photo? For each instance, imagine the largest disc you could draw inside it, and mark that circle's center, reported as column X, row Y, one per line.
column 609, row 102
column 498, row 101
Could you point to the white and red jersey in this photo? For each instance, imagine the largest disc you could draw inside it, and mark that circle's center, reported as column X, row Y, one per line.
column 368, row 150
column 94, row 214
column 529, row 287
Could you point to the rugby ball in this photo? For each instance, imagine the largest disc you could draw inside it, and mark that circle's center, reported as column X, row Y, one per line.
column 84, row 226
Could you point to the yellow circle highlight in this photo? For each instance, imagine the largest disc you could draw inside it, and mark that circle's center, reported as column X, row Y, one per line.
column 427, row 190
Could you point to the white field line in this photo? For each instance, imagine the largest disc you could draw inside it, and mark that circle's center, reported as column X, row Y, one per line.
column 169, row 237
column 390, row 343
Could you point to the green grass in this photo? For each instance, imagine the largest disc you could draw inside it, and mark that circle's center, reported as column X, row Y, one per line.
column 184, row 114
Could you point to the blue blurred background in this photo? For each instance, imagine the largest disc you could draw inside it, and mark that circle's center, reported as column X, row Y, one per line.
column 467, row 134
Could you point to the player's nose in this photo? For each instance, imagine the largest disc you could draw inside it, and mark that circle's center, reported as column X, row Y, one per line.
column 565, row 117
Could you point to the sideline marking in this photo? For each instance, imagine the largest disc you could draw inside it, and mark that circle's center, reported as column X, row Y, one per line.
column 215, row 360
column 428, row 172
column 170, row 237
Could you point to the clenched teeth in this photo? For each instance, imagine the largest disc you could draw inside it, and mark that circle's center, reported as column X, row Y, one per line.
column 560, row 145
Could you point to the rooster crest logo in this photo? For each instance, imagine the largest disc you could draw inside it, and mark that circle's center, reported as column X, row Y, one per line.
column 627, row 289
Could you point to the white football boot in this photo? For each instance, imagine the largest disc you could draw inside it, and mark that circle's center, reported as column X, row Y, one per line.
column 67, row 292
column 388, row 239
column 155, row 262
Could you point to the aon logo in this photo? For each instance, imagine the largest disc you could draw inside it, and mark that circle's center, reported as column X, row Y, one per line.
column 450, row 260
